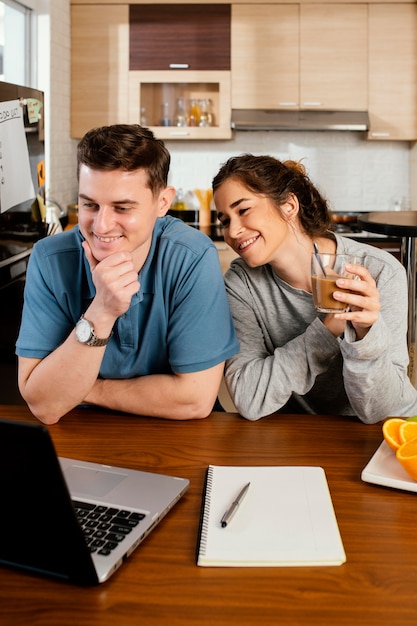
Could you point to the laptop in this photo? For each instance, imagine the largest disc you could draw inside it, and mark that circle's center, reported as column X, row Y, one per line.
column 71, row 519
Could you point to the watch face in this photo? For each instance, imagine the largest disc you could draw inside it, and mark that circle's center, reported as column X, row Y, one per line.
column 83, row 331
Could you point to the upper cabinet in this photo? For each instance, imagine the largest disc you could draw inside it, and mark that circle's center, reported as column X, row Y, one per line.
column 299, row 56
column 393, row 71
column 99, row 66
column 265, row 56
column 166, row 37
column 334, row 56
column 179, row 70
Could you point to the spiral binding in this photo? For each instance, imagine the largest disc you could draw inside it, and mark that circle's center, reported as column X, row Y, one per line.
column 207, row 503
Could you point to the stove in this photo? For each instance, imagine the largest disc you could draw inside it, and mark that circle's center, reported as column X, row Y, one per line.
column 348, row 228
column 22, row 231
column 357, row 233
column 14, row 258
column 16, row 242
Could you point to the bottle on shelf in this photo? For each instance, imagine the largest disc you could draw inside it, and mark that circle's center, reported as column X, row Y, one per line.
column 194, row 112
column 180, row 113
column 205, row 112
column 143, row 117
column 165, row 119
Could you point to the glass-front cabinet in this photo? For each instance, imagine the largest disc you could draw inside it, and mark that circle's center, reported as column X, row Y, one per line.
column 181, row 104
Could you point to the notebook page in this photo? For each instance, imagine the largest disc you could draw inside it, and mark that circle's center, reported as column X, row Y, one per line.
column 286, row 518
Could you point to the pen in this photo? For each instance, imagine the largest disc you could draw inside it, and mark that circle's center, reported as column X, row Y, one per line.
column 234, row 507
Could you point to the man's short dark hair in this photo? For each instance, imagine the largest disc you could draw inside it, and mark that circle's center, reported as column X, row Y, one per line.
column 127, row 147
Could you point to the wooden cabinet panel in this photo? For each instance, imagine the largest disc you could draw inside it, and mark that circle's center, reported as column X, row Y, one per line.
column 195, row 37
column 393, row 71
column 265, row 56
column 334, row 57
column 299, row 56
column 99, row 66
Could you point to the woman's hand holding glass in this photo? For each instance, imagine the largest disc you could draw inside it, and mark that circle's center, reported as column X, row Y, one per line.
column 362, row 299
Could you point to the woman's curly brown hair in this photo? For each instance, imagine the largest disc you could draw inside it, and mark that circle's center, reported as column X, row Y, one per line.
column 277, row 180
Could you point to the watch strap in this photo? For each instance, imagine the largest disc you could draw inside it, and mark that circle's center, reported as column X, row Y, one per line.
column 96, row 341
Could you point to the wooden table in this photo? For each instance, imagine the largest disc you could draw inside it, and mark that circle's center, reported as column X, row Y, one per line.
column 401, row 224
column 161, row 584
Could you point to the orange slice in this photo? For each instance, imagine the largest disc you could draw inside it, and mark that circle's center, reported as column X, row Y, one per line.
column 390, row 430
column 407, row 456
column 407, row 431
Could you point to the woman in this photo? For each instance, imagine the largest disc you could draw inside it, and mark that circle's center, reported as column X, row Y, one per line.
column 292, row 358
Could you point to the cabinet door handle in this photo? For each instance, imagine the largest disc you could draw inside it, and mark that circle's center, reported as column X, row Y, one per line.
column 287, row 104
column 179, row 66
column 179, row 133
column 311, row 104
column 380, row 134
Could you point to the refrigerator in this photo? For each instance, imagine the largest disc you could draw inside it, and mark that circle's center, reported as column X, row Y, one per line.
column 22, row 199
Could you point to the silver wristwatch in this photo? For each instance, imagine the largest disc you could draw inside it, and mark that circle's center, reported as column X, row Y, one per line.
column 84, row 333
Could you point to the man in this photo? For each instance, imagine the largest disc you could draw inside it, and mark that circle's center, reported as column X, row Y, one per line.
column 128, row 309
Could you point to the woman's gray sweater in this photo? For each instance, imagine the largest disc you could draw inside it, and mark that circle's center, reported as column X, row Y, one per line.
column 289, row 361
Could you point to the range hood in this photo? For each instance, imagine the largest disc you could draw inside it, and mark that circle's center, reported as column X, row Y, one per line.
column 246, row 119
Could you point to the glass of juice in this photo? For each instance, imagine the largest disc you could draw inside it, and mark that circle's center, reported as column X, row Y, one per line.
column 325, row 270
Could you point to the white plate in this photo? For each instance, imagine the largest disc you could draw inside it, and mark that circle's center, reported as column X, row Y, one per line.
column 384, row 469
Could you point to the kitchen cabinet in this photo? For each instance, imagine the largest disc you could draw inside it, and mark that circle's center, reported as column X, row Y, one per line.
column 283, row 55
column 164, row 37
column 299, row 56
column 393, row 71
column 179, row 70
column 265, row 56
column 334, row 57
column 155, row 95
column 99, row 66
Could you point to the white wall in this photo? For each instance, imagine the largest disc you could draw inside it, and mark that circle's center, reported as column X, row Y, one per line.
column 53, row 77
column 61, row 162
column 354, row 174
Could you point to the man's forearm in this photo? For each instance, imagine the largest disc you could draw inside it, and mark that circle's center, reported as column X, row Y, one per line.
column 56, row 384
column 169, row 396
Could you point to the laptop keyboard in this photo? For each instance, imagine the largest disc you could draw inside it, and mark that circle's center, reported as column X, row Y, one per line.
column 104, row 527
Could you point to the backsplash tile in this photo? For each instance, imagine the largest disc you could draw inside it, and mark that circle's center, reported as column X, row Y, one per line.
column 352, row 173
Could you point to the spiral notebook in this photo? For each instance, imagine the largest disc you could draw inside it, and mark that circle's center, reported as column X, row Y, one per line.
column 285, row 519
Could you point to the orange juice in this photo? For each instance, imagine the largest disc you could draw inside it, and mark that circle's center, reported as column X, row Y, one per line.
column 194, row 113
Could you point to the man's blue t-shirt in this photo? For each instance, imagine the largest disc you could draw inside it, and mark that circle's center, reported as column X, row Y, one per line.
column 179, row 321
